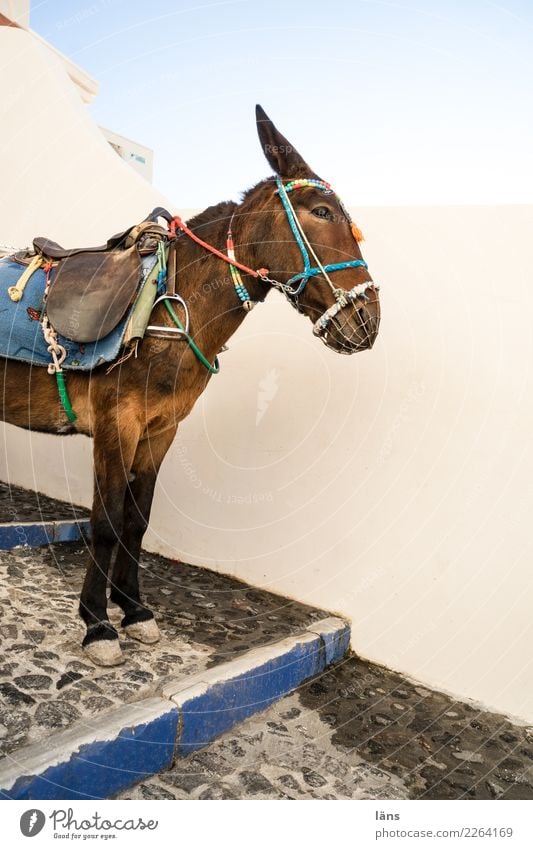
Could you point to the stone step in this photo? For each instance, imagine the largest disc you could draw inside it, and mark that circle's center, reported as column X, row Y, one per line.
column 227, row 650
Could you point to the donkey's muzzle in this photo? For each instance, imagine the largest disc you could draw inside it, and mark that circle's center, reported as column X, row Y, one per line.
column 351, row 325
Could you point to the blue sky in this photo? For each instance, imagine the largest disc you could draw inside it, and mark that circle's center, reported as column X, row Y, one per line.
column 393, row 102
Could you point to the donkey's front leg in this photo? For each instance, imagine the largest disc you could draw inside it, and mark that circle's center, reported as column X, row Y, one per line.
column 114, row 451
column 138, row 620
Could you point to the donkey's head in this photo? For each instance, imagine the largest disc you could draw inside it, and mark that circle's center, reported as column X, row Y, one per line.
column 304, row 234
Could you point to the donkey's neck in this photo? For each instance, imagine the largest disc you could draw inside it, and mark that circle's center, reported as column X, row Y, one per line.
column 205, row 283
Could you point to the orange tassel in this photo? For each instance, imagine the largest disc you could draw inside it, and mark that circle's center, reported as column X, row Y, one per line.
column 357, row 234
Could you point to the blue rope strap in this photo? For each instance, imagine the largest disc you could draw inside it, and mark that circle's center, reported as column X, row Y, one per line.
column 336, row 266
column 309, row 271
column 161, row 255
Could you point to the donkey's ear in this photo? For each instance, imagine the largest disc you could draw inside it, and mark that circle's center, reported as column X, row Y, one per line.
column 282, row 157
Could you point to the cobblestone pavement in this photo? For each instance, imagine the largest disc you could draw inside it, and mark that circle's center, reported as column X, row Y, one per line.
column 358, row 731
column 23, row 505
column 46, row 683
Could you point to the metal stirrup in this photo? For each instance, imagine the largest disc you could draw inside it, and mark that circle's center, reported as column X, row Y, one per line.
column 161, row 331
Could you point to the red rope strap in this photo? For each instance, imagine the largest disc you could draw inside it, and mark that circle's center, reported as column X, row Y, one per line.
column 178, row 223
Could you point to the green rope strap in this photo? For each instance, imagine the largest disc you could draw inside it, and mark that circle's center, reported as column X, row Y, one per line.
column 60, row 376
column 63, row 396
column 214, row 369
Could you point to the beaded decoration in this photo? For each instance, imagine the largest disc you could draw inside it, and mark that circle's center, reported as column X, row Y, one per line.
column 240, row 288
column 298, row 184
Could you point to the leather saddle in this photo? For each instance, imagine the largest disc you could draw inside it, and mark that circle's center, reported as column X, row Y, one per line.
column 92, row 288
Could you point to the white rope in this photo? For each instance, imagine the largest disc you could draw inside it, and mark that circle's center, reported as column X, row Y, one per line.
column 57, row 351
column 349, row 297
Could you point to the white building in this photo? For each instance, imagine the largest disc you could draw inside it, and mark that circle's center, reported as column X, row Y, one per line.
column 17, row 13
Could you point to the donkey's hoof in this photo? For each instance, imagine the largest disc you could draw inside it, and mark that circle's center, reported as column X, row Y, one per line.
column 144, row 632
column 104, row 652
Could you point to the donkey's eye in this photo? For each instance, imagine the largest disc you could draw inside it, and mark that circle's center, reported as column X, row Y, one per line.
column 322, row 212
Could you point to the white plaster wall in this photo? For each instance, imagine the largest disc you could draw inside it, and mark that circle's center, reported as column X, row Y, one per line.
column 395, row 486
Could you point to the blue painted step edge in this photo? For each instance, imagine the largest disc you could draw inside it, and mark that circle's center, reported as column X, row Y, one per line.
column 124, row 747
column 14, row 534
column 213, row 702
column 103, row 758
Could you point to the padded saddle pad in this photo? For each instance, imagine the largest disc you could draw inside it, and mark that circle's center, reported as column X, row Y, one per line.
column 90, row 292
column 21, row 336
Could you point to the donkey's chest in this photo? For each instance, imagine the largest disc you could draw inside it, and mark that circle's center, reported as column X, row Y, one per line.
column 168, row 395
column 164, row 408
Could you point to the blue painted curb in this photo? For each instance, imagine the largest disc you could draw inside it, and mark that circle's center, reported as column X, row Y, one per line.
column 103, row 768
column 210, row 708
column 14, row 534
column 104, row 758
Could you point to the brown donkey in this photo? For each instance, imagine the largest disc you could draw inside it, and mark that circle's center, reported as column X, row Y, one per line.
column 285, row 222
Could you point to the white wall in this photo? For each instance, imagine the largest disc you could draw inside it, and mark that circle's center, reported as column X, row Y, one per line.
column 393, row 486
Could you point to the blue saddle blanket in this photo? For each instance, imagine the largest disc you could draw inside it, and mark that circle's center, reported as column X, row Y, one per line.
column 21, row 335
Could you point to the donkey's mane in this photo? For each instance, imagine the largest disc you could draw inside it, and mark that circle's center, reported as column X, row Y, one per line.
column 212, row 214
column 267, row 182
column 223, row 210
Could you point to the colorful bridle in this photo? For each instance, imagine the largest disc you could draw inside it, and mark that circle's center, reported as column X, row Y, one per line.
column 342, row 297
column 294, row 287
